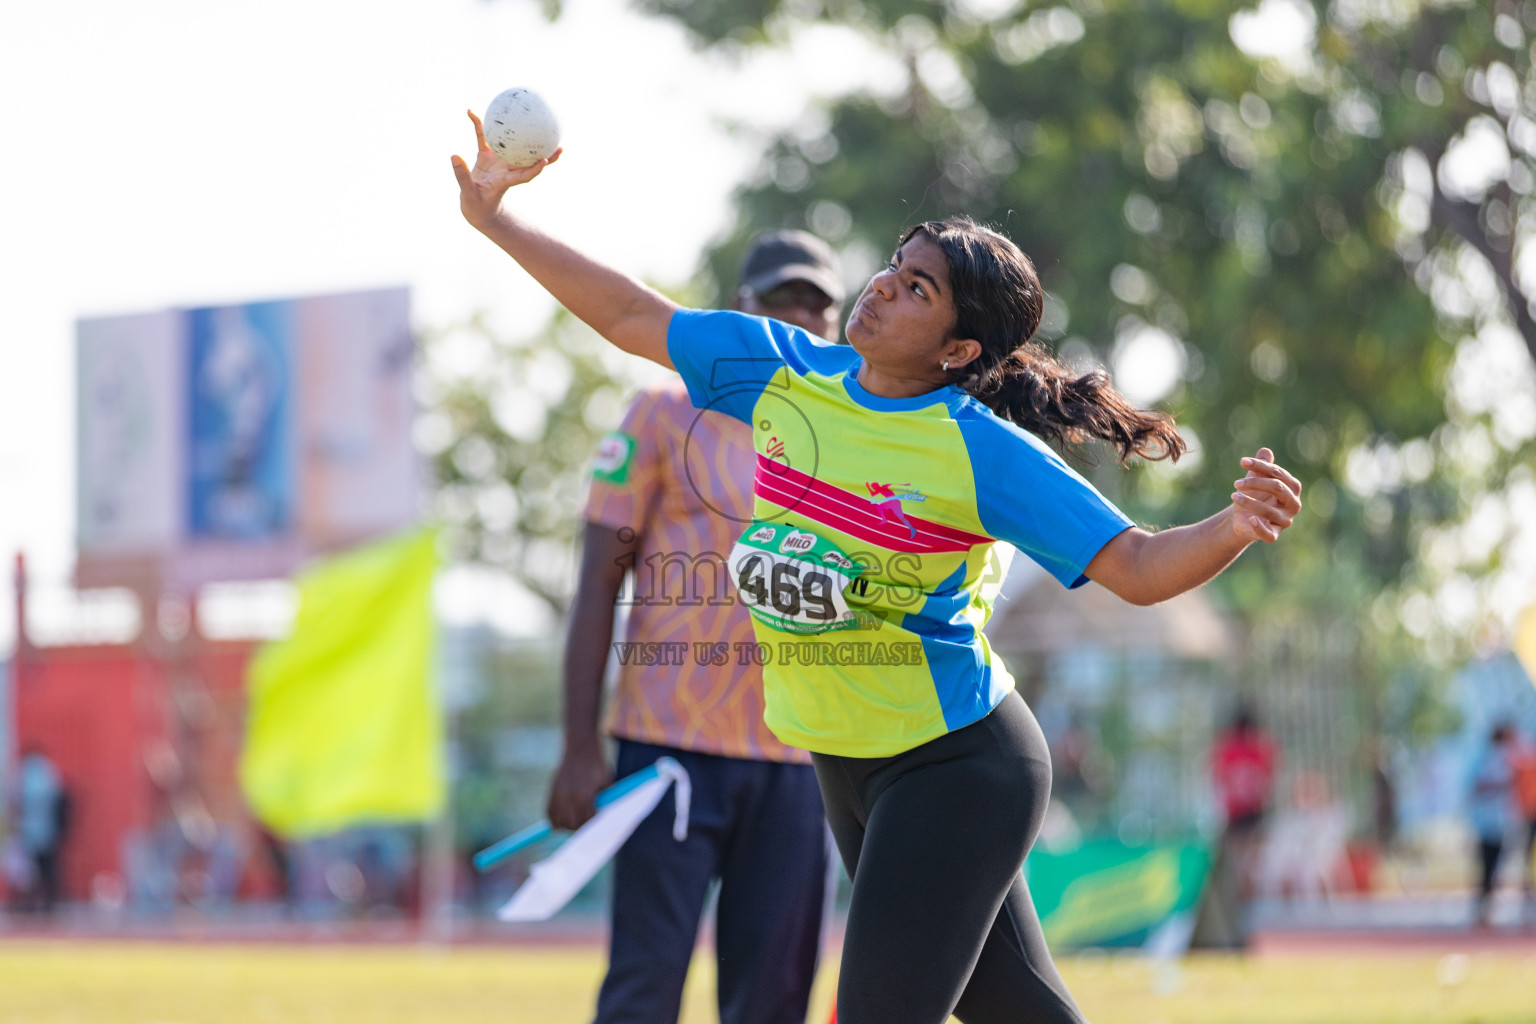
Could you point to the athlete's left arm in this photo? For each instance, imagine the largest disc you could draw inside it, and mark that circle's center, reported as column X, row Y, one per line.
column 1145, row 568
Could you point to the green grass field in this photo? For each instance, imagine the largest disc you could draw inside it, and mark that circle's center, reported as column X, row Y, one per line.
column 186, row 983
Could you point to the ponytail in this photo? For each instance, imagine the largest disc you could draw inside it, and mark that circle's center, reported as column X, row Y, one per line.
column 1036, row 392
column 999, row 303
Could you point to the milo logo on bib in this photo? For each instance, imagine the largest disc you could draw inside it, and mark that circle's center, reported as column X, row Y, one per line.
column 837, row 559
column 797, row 543
column 792, row 580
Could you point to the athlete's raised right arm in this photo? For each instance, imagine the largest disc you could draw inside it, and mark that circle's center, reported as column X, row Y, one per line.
column 621, row 309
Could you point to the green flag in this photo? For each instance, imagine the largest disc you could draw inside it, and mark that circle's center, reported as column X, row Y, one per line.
column 1105, row 893
column 344, row 725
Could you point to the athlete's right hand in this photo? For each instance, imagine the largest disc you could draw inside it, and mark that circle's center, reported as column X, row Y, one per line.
column 481, row 187
column 582, row 773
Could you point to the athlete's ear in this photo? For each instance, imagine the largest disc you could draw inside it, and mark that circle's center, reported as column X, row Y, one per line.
column 960, row 352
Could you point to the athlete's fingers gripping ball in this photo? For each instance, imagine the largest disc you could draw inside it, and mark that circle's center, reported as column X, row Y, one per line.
column 481, row 187
column 520, row 127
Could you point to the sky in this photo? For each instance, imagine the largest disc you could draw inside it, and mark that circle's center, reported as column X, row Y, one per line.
column 168, row 153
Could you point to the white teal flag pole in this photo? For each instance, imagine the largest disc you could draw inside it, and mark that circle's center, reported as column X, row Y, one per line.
column 552, row 882
column 504, row 848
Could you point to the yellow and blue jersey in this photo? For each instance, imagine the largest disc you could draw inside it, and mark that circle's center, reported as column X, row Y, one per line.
column 920, row 491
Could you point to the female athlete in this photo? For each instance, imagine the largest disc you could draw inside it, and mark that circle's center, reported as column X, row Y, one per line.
column 887, row 472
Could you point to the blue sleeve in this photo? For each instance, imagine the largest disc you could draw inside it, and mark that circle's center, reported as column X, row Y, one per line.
column 1026, row 495
column 727, row 358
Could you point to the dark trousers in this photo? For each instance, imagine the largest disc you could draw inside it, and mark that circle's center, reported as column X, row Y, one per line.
column 47, row 883
column 758, row 827
column 48, row 877
column 1488, row 853
column 934, row 838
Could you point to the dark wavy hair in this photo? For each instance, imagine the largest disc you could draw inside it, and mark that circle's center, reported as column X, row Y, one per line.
column 998, row 302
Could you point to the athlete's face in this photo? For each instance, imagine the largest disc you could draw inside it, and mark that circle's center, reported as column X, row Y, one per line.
column 904, row 321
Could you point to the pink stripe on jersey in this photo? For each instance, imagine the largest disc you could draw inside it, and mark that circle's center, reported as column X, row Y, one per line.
column 884, row 523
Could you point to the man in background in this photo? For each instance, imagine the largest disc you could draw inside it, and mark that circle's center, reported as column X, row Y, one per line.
column 671, row 492
column 1244, row 760
column 1243, row 765
column 41, row 818
column 1491, row 805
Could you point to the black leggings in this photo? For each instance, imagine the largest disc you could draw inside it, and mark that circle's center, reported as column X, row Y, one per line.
column 934, row 840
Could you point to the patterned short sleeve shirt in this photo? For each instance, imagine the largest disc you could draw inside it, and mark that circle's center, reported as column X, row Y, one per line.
column 682, row 480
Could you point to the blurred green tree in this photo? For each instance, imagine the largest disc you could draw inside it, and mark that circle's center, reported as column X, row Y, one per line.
column 511, row 425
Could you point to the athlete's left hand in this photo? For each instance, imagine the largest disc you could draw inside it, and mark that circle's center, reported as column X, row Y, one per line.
column 1266, row 500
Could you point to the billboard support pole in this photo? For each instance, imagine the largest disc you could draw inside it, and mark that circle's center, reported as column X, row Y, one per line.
column 438, row 862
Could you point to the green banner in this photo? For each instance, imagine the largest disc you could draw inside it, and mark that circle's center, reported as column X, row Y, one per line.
column 1107, row 894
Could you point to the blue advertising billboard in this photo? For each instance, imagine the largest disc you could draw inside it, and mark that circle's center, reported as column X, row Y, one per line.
column 240, row 464
column 235, row 442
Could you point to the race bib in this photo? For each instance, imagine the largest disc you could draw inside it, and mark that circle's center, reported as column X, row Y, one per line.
column 793, row 580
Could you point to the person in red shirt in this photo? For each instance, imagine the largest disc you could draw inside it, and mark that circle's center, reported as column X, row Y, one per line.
column 1244, row 761
column 1243, row 765
column 1524, row 761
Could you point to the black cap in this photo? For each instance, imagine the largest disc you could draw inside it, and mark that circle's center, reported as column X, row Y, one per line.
column 780, row 256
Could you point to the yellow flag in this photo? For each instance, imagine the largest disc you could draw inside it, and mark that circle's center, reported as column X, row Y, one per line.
column 344, row 725
column 1525, row 640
